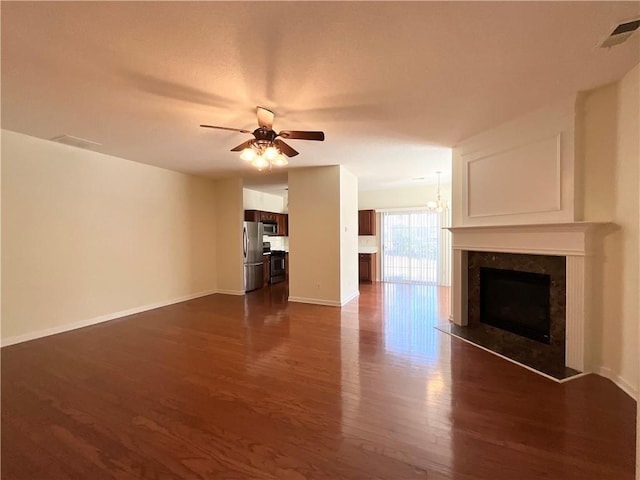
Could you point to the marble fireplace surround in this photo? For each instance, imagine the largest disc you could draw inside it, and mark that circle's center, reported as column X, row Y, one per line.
column 575, row 241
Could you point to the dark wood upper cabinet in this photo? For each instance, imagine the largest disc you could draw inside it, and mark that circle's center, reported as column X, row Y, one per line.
column 366, row 222
column 269, row 217
column 280, row 219
column 283, row 224
column 252, row 216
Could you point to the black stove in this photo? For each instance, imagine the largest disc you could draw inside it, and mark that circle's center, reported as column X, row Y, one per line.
column 277, row 266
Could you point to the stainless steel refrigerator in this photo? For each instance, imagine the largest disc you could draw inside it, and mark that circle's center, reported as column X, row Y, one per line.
column 252, row 255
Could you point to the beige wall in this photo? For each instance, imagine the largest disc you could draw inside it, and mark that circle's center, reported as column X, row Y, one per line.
column 314, row 235
column 611, row 179
column 349, row 235
column 87, row 237
column 230, row 215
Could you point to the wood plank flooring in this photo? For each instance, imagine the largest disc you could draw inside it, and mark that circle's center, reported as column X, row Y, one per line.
column 226, row 387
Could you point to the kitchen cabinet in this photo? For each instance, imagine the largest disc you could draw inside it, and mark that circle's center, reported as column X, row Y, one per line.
column 280, row 219
column 367, row 267
column 260, row 216
column 269, row 217
column 252, row 216
column 366, row 222
column 283, row 225
column 266, row 266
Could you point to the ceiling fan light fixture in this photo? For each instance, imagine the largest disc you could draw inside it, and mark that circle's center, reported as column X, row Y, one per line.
column 248, row 154
column 264, row 155
column 260, row 162
column 271, row 153
column 280, row 161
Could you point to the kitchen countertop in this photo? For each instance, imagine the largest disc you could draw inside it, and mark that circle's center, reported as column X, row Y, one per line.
column 368, row 250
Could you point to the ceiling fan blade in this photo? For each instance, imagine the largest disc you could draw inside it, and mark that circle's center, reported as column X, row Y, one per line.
column 300, row 135
column 284, row 148
column 227, row 128
column 265, row 117
column 242, row 146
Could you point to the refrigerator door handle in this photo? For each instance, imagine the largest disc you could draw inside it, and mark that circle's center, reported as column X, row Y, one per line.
column 245, row 242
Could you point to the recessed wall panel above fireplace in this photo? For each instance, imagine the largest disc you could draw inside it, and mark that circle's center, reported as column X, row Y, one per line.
column 521, row 172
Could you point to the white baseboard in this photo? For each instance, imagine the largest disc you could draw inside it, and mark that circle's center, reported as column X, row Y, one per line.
column 623, row 384
column 315, row 301
column 231, row 292
column 350, row 297
column 5, row 342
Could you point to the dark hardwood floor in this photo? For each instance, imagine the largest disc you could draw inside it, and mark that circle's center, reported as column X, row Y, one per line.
column 227, row 387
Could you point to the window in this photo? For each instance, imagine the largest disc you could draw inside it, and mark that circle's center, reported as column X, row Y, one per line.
column 411, row 246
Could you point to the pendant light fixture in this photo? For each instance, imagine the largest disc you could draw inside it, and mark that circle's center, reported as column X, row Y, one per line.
column 439, row 205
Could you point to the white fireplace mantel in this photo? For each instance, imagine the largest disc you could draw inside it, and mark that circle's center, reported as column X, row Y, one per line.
column 572, row 238
column 575, row 240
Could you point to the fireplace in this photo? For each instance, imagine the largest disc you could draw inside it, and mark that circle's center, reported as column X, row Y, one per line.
column 517, row 302
column 516, row 306
column 571, row 252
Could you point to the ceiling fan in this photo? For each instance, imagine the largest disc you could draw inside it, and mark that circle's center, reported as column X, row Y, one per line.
column 267, row 148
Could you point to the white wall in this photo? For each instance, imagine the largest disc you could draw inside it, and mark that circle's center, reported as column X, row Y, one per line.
column 415, row 196
column 267, row 202
column 611, row 146
column 349, row 272
column 87, row 237
column 230, row 216
column 314, row 241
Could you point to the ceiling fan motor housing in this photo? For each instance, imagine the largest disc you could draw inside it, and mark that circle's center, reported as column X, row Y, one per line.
column 264, row 134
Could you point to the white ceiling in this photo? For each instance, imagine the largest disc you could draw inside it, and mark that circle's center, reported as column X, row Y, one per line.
column 390, row 84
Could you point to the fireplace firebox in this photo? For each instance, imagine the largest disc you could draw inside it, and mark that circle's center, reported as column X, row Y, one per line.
column 516, row 301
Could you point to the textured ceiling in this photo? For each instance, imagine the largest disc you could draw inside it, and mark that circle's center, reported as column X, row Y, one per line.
column 389, row 83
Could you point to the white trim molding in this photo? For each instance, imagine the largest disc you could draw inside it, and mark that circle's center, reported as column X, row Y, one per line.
column 316, row 301
column 349, row 298
column 624, row 385
column 516, row 164
column 5, row 342
column 231, row 292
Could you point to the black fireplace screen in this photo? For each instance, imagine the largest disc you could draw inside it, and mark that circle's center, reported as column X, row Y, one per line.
column 516, row 301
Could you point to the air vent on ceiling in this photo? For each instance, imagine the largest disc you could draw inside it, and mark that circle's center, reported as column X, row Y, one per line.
column 76, row 142
column 620, row 33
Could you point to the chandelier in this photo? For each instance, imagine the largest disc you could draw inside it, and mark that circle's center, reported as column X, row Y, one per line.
column 262, row 154
column 439, row 205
